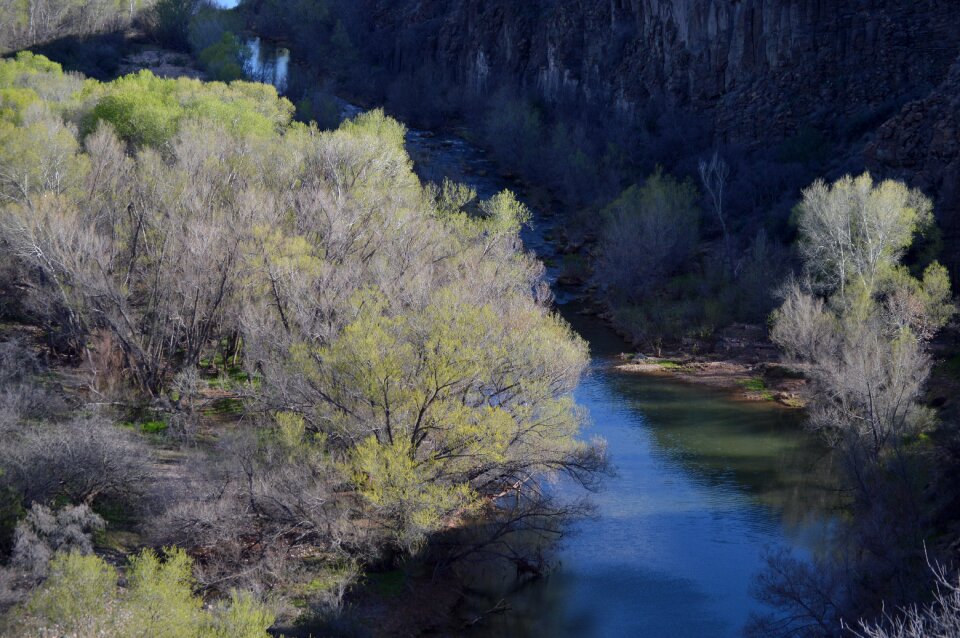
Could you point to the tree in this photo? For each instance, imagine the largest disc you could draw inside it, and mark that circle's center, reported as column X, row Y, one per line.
column 170, row 22
column 403, row 366
column 854, row 232
column 77, row 598
column 859, row 326
column 44, row 532
column 81, row 597
column 714, row 174
column 28, row 23
column 862, row 322
column 649, row 233
column 939, row 619
column 85, row 460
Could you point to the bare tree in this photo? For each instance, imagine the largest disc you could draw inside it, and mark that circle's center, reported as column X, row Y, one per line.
column 81, row 461
column 939, row 619
column 44, row 532
column 714, row 174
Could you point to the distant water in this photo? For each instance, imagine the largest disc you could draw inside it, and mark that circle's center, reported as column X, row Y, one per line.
column 262, row 62
column 267, row 64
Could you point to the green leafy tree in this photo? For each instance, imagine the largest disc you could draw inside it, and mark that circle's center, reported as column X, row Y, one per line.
column 81, row 597
column 78, row 598
column 649, row 233
column 170, row 22
column 854, row 232
column 223, row 60
column 862, row 323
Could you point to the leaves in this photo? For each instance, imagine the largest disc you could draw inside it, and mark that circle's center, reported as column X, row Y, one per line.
column 81, row 597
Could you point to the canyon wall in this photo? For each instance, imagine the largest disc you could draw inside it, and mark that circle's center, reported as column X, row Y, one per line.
column 762, row 67
column 873, row 74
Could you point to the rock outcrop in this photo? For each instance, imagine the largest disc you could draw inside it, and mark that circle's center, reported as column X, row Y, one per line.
column 867, row 73
column 760, row 67
column 921, row 144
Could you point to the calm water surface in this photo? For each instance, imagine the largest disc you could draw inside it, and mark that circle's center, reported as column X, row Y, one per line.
column 704, row 486
column 266, row 63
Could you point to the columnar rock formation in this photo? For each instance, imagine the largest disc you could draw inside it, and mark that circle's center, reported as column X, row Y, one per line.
column 874, row 73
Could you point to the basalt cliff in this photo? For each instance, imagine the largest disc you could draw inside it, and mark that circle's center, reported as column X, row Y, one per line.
column 881, row 75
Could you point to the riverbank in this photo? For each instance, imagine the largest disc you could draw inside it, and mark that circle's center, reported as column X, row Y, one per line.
column 739, row 359
column 745, row 381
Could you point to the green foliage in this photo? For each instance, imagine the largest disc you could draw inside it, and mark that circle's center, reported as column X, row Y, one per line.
column 392, row 329
column 77, row 598
column 504, row 214
column 26, row 63
column 854, row 232
column 863, row 322
column 170, row 22
column 144, row 109
column 667, row 364
column 153, row 427
column 81, row 597
column 14, row 101
column 160, row 595
column 649, row 234
column 453, row 199
column 754, row 384
column 376, row 126
column 405, row 489
column 243, row 616
column 417, row 380
column 758, row 386
column 148, row 111
column 224, row 59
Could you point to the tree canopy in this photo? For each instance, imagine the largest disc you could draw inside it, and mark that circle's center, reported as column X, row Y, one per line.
column 401, row 364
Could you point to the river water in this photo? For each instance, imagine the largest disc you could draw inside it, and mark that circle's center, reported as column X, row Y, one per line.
column 705, row 484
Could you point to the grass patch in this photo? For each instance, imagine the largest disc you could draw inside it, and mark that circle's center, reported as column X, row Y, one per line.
column 758, row 386
column 668, row 364
column 153, row 427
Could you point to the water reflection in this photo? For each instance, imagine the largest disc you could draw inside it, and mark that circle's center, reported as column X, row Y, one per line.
column 267, row 64
column 705, row 484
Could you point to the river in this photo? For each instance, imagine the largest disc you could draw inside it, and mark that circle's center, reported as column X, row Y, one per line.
column 705, row 484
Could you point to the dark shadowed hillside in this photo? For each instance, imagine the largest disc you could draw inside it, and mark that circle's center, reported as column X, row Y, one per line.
column 870, row 73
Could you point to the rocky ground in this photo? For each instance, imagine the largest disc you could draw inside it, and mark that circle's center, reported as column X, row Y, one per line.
column 162, row 63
